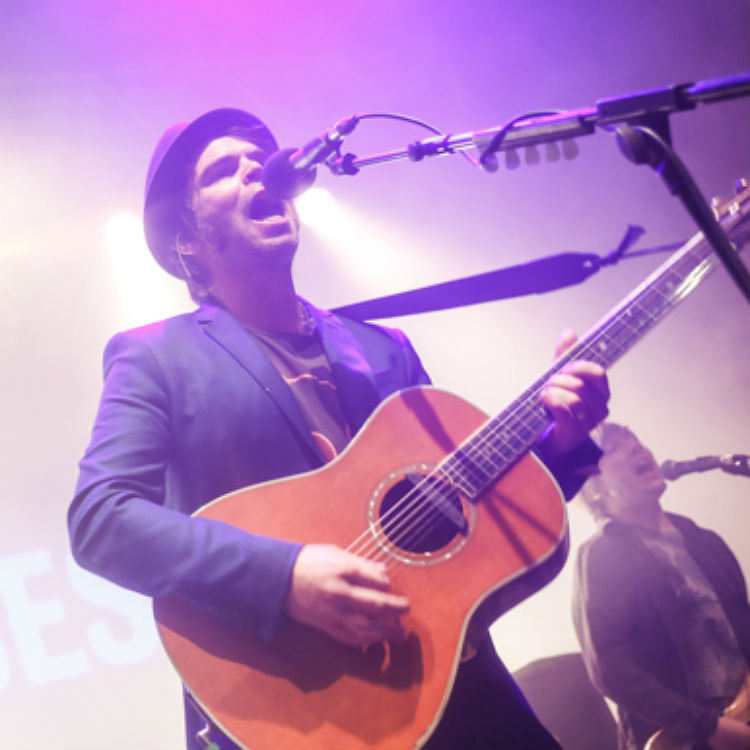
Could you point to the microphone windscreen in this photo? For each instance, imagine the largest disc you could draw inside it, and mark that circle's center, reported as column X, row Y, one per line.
column 282, row 179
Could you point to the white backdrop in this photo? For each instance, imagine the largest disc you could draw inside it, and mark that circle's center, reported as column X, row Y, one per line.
column 87, row 89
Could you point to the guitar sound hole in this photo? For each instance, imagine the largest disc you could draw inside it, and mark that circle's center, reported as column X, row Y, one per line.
column 422, row 514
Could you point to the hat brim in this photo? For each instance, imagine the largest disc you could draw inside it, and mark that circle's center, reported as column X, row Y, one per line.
column 170, row 170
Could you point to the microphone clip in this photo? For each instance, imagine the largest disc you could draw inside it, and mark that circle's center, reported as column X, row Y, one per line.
column 290, row 171
column 736, row 464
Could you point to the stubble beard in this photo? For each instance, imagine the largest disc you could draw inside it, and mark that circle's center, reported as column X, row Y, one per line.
column 243, row 255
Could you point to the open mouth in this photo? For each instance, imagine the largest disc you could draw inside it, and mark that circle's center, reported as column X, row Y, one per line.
column 265, row 206
column 644, row 467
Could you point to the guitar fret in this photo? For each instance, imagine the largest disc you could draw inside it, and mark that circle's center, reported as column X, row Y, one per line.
column 666, row 288
column 485, row 449
column 607, row 350
column 646, row 319
column 529, row 421
column 507, row 435
column 634, row 321
column 511, row 437
column 618, row 334
column 657, row 306
column 483, row 457
column 462, row 482
column 477, row 472
column 624, row 334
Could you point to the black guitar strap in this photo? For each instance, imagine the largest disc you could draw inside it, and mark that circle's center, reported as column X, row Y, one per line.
column 543, row 275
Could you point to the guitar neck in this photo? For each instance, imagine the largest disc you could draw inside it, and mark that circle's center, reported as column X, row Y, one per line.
column 502, row 440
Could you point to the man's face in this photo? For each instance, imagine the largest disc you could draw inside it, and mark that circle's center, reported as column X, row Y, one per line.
column 630, row 473
column 241, row 224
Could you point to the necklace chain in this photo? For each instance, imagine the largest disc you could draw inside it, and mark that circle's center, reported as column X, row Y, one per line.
column 305, row 321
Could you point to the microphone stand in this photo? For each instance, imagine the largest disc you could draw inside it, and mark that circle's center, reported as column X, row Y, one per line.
column 643, row 136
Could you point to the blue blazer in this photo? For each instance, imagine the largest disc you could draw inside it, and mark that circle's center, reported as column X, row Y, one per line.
column 192, row 409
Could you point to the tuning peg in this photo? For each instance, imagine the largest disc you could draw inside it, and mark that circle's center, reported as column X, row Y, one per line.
column 740, row 185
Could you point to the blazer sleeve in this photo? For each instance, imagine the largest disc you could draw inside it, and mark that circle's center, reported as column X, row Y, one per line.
column 122, row 528
column 574, row 468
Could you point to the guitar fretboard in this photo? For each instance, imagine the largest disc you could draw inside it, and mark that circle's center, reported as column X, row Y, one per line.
column 491, row 450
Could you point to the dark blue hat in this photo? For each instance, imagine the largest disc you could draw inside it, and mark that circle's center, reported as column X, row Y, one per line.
column 170, row 170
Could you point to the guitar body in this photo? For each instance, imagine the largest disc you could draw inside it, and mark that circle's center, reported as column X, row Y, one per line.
column 306, row 690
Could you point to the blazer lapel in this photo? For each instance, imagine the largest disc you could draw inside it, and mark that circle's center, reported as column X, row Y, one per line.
column 221, row 326
column 351, row 370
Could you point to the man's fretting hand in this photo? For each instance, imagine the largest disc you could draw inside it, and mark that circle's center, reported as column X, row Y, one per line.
column 576, row 398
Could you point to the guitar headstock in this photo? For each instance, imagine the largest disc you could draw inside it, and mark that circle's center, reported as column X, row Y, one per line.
column 732, row 214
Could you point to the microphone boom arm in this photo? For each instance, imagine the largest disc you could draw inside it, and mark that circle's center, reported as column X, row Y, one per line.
column 547, row 128
column 646, row 111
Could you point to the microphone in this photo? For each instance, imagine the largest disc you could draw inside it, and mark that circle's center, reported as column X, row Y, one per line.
column 732, row 464
column 289, row 172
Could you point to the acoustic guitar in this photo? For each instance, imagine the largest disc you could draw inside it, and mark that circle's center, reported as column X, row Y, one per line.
column 468, row 521
column 739, row 709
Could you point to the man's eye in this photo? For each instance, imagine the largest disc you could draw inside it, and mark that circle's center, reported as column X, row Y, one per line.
column 224, row 168
column 219, row 174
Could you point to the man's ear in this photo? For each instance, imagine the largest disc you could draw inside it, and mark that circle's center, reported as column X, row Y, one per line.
column 188, row 250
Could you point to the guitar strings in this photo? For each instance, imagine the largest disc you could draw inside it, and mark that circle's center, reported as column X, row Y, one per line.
column 374, row 543
column 420, row 517
column 428, row 521
column 408, row 516
column 405, row 516
column 389, row 522
column 437, row 491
